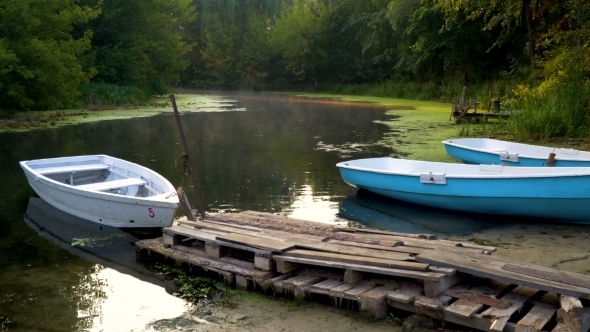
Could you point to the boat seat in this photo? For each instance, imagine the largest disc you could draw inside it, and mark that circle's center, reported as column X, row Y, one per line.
column 108, row 185
column 72, row 168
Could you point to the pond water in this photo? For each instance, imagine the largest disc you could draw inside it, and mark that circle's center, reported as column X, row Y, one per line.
column 264, row 152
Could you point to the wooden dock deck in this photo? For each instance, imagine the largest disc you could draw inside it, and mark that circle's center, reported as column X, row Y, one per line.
column 374, row 270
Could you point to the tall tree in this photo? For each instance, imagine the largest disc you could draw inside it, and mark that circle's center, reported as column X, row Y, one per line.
column 141, row 42
column 39, row 57
column 255, row 53
column 220, row 53
column 300, row 35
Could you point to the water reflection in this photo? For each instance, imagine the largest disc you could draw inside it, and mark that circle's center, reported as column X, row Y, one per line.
column 115, row 294
column 375, row 211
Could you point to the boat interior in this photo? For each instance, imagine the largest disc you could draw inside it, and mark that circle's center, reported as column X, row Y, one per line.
column 103, row 178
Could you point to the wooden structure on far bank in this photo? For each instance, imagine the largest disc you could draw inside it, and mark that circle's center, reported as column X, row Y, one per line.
column 461, row 111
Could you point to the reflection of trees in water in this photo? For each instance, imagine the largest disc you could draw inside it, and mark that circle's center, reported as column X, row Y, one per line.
column 89, row 295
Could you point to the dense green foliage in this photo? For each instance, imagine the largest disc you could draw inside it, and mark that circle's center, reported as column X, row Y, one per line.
column 532, row 53
column 40, row 63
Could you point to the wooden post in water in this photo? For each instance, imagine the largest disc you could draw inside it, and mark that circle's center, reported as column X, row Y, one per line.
column 186, row 207
column 200, row 205
column 551, row 159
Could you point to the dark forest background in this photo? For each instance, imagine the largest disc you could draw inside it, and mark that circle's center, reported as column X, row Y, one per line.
column 56, row 54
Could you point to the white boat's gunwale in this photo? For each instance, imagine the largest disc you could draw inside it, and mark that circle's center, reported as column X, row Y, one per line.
column 555, row 172
column 582, row 155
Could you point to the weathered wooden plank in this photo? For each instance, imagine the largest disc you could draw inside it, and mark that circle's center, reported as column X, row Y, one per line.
column 432, row 303
column 324, row 287
column 214, row 250
column 435, row 287
column 306, row 241
column 500, row 316
column 299, row 284
column 554, row 275
column 345, row 249
column 256, row 242
column 156, row 245
column 536, row 318
column 376, row 231
column 474, row 297
column 219, row 226
column 338, row 291
column 352, row 276
column 374, row 302
column 276, row 217
column 463, row 308
column 354, row 293
column 285, row 266
column 363, row 268
column 568, row 303
column 445, row 270
column 400, row 248
column 491, row 267
column 357, row 259
column 406, row 293
column 276, row 283
column 190, row 233
column 225, row 259
column 436, row 244
column 578, row 319
column 263, row 262
column 560, row 327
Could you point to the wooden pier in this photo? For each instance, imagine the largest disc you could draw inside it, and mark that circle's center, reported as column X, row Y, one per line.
column 373, row 271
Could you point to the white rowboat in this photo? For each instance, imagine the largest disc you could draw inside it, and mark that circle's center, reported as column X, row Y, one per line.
column 104, row 189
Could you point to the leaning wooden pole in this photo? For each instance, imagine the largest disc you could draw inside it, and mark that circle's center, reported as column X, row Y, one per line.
column 200, row 204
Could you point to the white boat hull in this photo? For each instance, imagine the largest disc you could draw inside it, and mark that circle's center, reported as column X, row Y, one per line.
column 107, row 208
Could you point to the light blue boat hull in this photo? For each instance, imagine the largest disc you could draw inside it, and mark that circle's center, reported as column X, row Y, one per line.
column 564, row 198
column 478, row 157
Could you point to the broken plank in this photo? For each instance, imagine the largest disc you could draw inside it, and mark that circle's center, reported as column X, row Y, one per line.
column 517, row 297
column 491, row 267
column 432, row 303
column 256, row 242
column 536, row 318
column 357, row 260
column 475, row 297
column 363, row 268
column 578, row 319
column 463, row 308
column 568, row 303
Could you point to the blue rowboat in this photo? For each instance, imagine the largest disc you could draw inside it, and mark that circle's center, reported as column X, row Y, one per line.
column 491, row 151
column 548, row 192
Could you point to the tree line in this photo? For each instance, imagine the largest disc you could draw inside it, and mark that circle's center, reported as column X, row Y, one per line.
column 54, row 53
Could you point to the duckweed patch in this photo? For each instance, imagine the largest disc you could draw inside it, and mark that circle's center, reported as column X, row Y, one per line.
column 94, row 242
column 26, row 121
column 484, row 242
